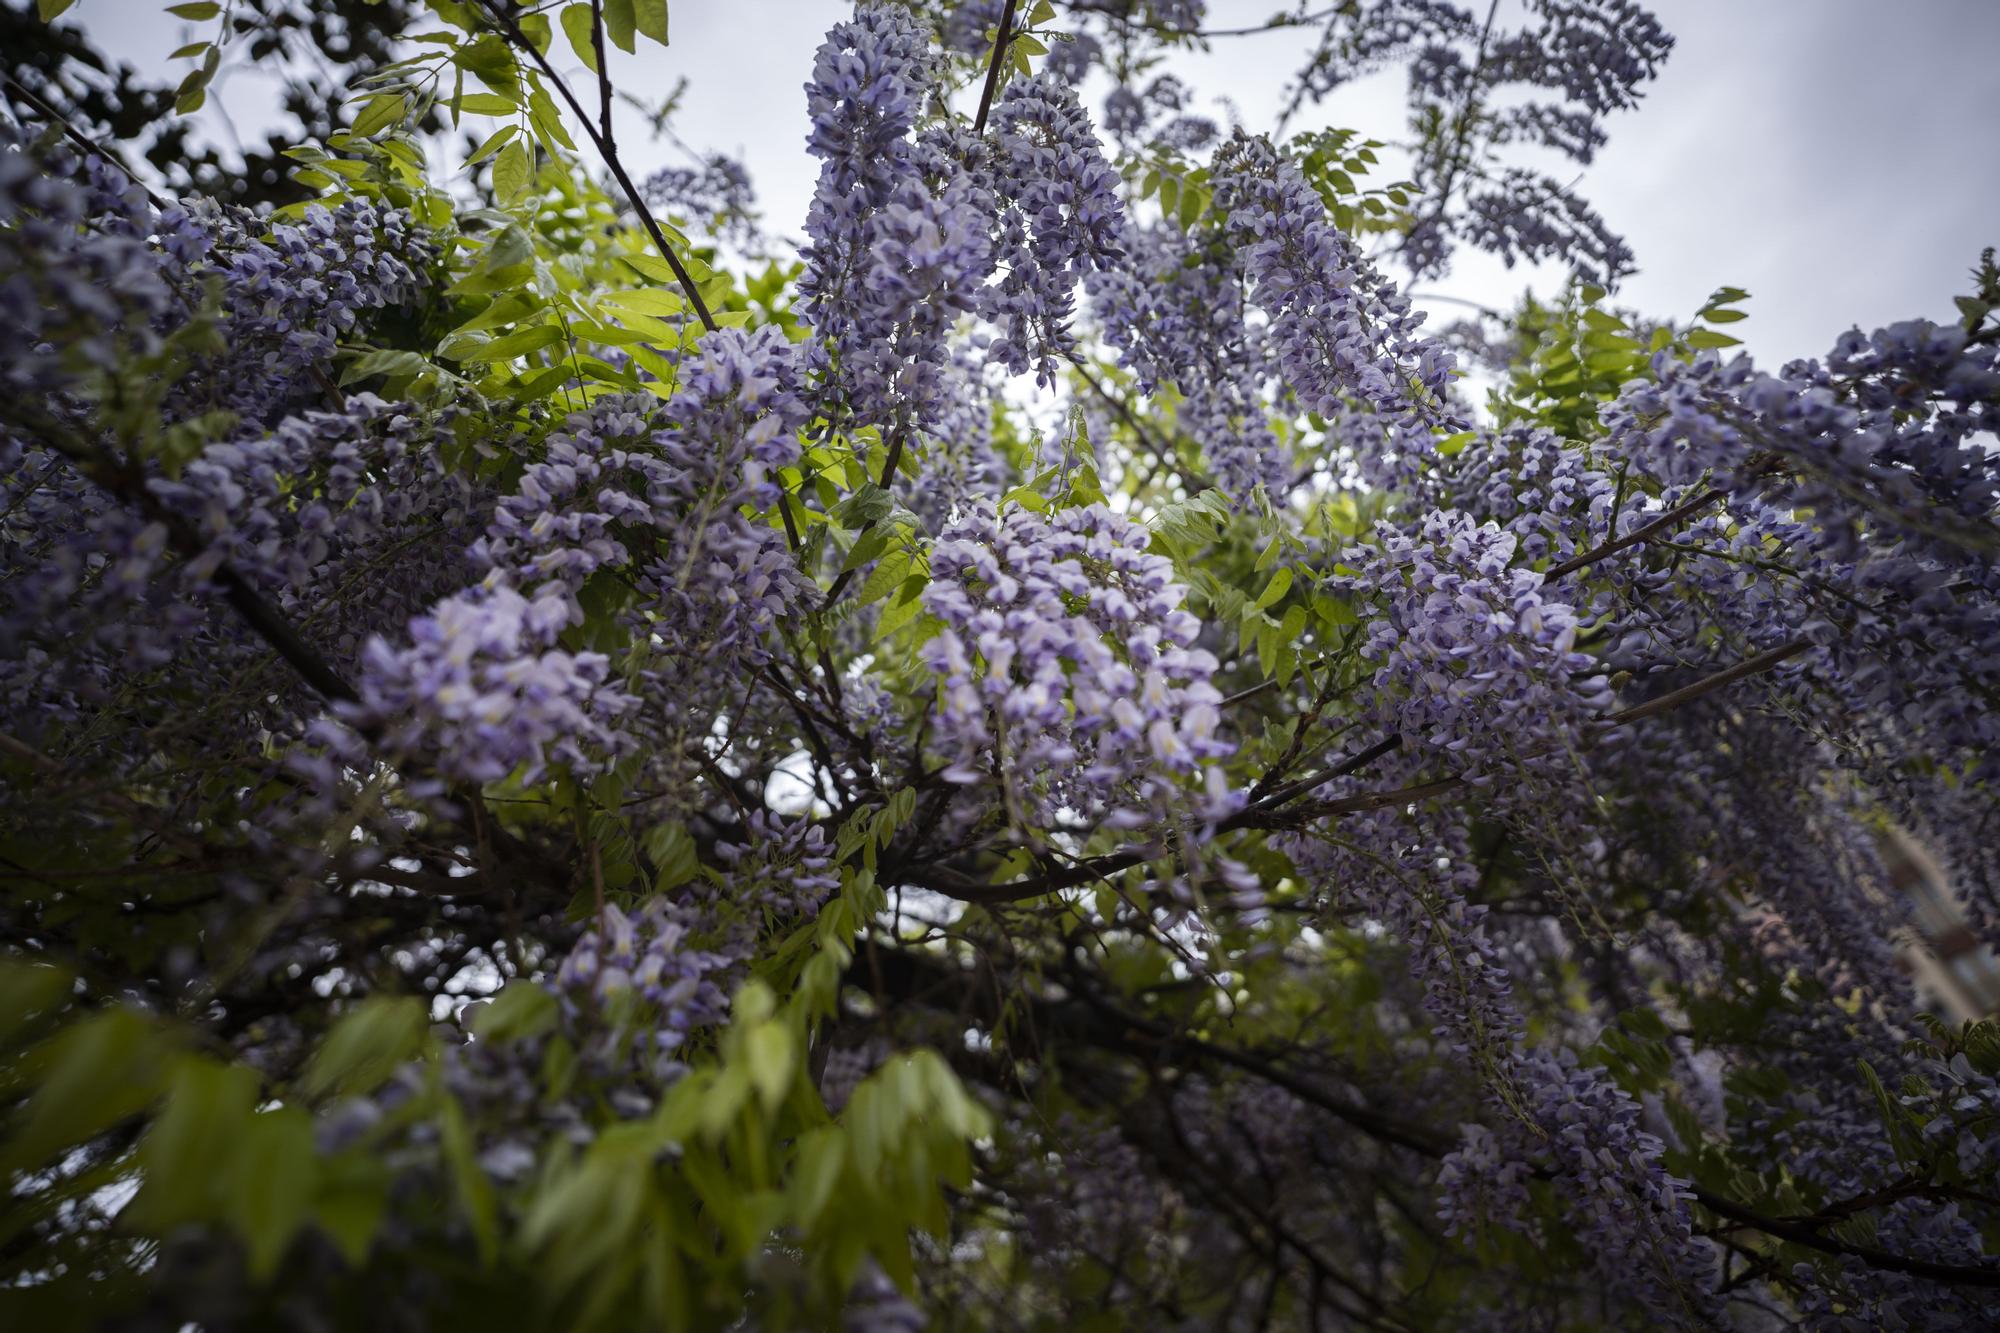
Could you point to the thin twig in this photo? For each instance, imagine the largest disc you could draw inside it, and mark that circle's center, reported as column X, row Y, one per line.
column 1809, row 1236
column 1663, row 523
column 76, row 137
column 1268, row 815
column 609, row 153
column 889, row 466
column 1001, row 39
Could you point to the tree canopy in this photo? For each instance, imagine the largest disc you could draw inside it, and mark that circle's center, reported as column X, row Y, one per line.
column 1052, row 756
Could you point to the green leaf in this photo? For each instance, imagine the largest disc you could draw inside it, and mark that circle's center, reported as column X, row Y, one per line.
column 367, row 1045
column 651, row 18
column 49, row 10
column 816, row 1170
column 884, row 579
column 576, row 25
column 909, row 604
column 191, row 49
column 518, row 343
column 620, row 21
column 870, row 504
column 542, row 114
column 493, row 63
column 493, row 144
column 29, row 994
column 91, row 1076
column 353, row 1199
column 186, row 1155
column 1710, row 338
column 660, row 304
column 535, row 27
column 381, row 111
column 771, row 1051
column 195, row 9
column 1275, row 590
column 273, row 1177
column 673, row 851
column 188, row 98
column 475, row 1191
column 486, row 104
column 512, row 171
column 521, row 1009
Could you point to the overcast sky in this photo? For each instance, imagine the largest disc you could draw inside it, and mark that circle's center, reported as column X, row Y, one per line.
column 1838, row 158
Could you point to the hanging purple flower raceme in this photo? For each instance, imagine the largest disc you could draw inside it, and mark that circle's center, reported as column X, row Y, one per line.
column 1414, row 873
column 1597, row 51
column 898, row 244
column 959, row 465
column 781, row 875
column 1063, row 219
column 1071, row 56
column 1526, row 217
column 968, row 28
column 1554, row 497
column 1616, row 1194
column 481, row 690
column 650, row 955
column 655, row 491
column 80, row 288
column 1466, row 82
column 1890, row 510
column 1175, row 312
column 314, row 505
column 290, row 291
column 1067, row 664
column 322, row 517
column 716, row 193
column 1475, row 659
column 1341, row 333
column 1419, row 887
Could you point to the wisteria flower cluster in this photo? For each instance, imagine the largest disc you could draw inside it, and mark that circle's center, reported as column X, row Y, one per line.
column 1067, row 664
column 634, row 772
column 1475, row 659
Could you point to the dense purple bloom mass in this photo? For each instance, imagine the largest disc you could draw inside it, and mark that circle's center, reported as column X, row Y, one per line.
column 1062, row 220
column 917, row 800
column 1067, row 666
column 646, row 492
column 1475, row 658
column 1338, row 327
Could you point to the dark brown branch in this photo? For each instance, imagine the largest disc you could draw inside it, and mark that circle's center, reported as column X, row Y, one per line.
column 1749, row 666
column 609, row 152
column 1799, row 1233
column 1268, row 815
column 603, row 71
column 76, row 137
column 1665, row 522
column 1342, row 769
column 1002, row 39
